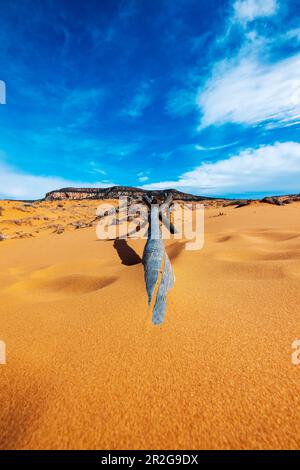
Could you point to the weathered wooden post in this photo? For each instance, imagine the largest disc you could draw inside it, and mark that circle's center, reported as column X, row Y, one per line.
column 158, row 271
column 159, row 275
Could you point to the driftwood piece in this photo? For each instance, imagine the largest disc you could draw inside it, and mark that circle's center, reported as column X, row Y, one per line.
column 159, row 275
column 158, row 271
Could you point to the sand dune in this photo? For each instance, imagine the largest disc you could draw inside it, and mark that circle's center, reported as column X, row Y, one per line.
column 87, row 369
column 66, row 285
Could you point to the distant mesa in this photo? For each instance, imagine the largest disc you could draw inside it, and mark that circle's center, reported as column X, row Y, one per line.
column 115, row 192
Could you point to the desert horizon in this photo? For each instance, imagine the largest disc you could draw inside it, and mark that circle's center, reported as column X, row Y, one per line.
column 119, row 190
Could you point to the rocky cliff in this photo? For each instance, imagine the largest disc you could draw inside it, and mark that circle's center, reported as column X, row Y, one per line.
column 117, row 191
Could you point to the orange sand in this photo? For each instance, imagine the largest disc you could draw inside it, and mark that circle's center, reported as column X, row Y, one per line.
column 87, row 369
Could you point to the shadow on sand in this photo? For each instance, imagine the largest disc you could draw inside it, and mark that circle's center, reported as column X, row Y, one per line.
column 128, row 256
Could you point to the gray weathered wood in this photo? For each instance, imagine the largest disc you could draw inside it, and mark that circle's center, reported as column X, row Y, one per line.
column 159, row 276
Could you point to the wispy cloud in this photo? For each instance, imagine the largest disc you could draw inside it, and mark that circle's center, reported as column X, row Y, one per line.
column 78, row 98
column 80, row 106
column 245, row 87
column 266, row 169
column 293, row 34
column 181, row 102
column 247, row 91
column 253, row 87
column 140, row 101
column 95, row 168
column 143, row 176
column 218, row 147
column 113, row 30
column 249, row 10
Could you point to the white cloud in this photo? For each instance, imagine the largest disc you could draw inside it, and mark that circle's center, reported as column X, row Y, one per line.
column 249, row 10
column 143, row 176
column 17, row 185
column 245, row 91
column 201, row 148
column 271, row 168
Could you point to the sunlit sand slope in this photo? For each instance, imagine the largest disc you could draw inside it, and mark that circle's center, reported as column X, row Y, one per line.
column 87, row 369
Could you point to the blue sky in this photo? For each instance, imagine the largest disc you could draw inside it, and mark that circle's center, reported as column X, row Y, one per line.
column 201, row 96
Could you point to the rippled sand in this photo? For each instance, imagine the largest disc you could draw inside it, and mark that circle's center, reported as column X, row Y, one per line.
column 87, row 369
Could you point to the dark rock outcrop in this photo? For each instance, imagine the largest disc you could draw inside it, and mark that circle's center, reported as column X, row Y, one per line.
column 234, row 202
column 272, row 200
column 243, row 204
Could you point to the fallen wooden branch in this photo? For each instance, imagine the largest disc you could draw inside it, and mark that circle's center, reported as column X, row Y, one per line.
column 159, row 275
